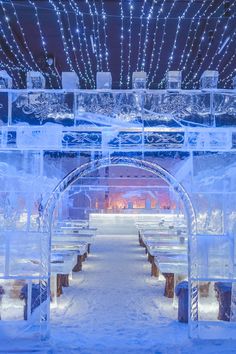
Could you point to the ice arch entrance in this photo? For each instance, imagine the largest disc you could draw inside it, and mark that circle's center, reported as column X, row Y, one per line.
column 87, row 168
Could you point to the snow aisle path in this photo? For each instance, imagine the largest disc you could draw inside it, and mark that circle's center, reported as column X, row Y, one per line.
column 114, row 306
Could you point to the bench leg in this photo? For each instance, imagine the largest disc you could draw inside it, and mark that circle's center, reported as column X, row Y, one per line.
column 140, row 240
column 150, row 258
column 59, row 285
column 154, row 270
column 65, row 280
column 89, row 248
column 78, row 266
column 204, row 289
column 169, row 286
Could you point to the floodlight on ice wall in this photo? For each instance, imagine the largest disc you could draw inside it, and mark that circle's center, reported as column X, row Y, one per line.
column 104, row 80
column 139, row 79
column 209, row 79
column 70, row 80
column 173, row 80
column 35, row 80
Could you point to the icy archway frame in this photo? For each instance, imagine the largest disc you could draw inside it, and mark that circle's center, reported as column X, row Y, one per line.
column 157, row 170
column 87, row 168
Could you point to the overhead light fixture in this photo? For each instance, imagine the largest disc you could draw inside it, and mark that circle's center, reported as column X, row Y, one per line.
column 173, row 80
column 139, row 80
column 35, row 80
column 209, row 79
column 51, row 60
column 104, row 80
column 70, row 80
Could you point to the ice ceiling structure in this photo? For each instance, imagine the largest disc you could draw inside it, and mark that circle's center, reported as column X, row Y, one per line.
column 118, row 36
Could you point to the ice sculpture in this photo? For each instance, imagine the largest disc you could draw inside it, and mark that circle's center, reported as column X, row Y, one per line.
column 173, row 80
column 70, row 80
column 139, row 80
column 35, row 80
column 209, row 79
column 103, row 80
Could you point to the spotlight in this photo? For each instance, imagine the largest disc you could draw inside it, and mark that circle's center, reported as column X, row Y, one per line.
column 173, row 80
column 70, row 80
column 139, row 80
column 209, row 79
column 103, row 80
column 35, row 80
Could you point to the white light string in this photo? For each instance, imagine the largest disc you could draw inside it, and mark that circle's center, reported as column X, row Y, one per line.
column 154, row 42
column 140, row 35
column 161, row 46
column 81, row 38
column 71, row 43
column 194, row 79
column 121, row 45
column 171, row 57
column 146, row 39
column 43, row 41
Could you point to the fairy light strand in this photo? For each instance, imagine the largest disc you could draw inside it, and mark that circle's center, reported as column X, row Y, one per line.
column 146, row 39
column 172, row 54
column 82, row 41
column 199, row 70
column 154, row 40
column 140, row 35
column 161, row 46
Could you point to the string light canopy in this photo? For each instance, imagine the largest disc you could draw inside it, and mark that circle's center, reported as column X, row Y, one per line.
column 123, row 36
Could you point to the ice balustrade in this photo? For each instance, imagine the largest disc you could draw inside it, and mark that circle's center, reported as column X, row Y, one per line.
column 99, row 119
column 147, row 107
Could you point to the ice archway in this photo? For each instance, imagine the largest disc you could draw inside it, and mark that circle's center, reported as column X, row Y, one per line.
column 87, row 168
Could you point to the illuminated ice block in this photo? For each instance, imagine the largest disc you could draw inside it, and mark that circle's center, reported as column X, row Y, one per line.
column 5, row 80
column 173, row 80
column 139, row 79
column 209, row 79
column 104, row 80
column 35, row 80
column 70, row 80
column 234, row 82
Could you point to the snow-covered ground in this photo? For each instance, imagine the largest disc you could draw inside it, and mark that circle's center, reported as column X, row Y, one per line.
column 114, row 306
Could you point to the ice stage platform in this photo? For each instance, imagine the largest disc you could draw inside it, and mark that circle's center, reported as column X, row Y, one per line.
column 126, row 223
